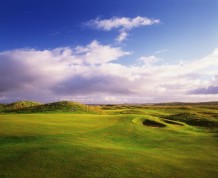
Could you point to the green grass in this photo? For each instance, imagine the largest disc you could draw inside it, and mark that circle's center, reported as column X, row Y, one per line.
column 114, row 144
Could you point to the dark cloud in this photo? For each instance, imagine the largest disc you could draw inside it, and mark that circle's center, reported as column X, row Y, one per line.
column 86, row 85
column 14, row 74
column 209, row 90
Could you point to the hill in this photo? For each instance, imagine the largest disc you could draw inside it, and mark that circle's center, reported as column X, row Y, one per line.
column 63, row 106
column 209, row 103
column 2, row 107
column 21, row 104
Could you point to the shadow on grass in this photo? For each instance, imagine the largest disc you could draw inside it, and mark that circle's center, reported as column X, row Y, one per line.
column 151, row 123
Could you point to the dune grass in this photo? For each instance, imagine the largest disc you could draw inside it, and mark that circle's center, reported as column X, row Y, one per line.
column 115, row 144
column 56, row 107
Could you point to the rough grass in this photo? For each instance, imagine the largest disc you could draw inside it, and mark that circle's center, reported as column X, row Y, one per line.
column 109, row 145
column 63, row 106
column 2, row 107
column 21, row 104
column 193, row 119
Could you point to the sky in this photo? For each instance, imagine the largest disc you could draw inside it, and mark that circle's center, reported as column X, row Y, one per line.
column 109, row 51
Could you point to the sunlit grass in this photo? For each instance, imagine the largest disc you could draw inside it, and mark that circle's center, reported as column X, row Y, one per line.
column 116, row 144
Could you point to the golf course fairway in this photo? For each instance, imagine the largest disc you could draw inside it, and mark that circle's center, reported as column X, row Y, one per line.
column 114, row 144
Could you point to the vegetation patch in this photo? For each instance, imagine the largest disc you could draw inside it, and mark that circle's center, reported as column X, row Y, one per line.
column 193, row 119
column 2, row 107
column 19, row 105
column 63, row 106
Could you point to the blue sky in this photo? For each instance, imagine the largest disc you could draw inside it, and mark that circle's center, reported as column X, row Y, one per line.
column 188, row 27
column 179, row 33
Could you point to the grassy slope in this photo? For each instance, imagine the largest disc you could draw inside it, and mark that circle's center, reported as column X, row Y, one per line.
column 118, row 145
column 2, row 107
column 63, row 106
column 21, row 104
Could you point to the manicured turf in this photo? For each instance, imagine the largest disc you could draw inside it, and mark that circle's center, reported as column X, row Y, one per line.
column 112, row 145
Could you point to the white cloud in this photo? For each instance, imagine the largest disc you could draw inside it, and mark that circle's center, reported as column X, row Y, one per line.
column 122, row 24
column 149, row 60
column 89, row 74
column 161, row 51
column 122, row 37
column 96, row 53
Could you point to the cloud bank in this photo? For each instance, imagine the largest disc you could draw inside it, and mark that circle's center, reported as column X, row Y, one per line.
column 91, row 74
column 208, row 90
column 122, row 24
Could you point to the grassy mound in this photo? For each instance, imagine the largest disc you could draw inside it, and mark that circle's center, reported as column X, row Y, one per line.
column 149, row 121
column 63, row 106
column 20, row 105
column 193, row 119
column 2, row 107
